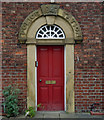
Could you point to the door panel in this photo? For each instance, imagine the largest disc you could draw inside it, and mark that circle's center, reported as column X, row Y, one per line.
column 44, row 91
column 57, row 91
column 44, row 68
column 50, row 71
column 57, row 60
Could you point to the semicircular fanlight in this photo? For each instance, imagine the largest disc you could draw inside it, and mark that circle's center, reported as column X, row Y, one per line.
column 50, row 32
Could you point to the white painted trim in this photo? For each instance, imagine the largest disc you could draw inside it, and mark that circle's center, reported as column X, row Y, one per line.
column 65, row 78
column 36, row 78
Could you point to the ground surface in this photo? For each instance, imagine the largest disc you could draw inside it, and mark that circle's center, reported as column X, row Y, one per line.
column 59, row 115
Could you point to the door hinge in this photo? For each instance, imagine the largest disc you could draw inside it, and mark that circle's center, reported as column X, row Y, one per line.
column 36, row 63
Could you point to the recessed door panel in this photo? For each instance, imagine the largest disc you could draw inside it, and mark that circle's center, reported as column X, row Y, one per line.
column 57, row 60
column 44, row 93
column 57, row 91
column 44, row 62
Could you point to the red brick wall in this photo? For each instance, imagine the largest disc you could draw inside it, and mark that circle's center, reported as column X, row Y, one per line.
column 88, row 55
column 88, row 70
column 0, row 58
column 103, row 54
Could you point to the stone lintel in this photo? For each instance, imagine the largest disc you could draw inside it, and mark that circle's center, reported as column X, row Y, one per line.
column 50, row 41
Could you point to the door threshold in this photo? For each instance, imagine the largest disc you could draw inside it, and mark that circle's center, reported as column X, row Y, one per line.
column 50, row 111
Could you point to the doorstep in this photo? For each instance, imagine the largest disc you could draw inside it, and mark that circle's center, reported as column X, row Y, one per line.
column 58, row 114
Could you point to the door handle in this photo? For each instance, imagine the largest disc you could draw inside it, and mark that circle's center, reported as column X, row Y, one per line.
column 40, row 80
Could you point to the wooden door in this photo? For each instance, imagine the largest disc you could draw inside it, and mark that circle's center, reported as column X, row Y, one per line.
column 50, row 77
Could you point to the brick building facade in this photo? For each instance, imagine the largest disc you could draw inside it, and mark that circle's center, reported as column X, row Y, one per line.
column 88, row 71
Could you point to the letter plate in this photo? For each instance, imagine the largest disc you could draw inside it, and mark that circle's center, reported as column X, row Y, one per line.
column 50, row 82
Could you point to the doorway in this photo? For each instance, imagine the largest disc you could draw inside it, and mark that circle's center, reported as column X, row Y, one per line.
column 49, row 28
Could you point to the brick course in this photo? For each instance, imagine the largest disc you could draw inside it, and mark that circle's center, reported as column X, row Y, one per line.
column 88, row 54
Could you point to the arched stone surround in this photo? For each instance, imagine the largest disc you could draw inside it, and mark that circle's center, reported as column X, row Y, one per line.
column 50, row 14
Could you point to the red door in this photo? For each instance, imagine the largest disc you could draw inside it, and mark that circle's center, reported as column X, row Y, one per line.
column 50, row 77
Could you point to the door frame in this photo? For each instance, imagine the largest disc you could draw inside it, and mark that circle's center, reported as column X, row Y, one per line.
column 36, row 95
column 69, row 77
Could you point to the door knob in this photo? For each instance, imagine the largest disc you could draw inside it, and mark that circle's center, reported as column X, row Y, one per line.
column 40, row 80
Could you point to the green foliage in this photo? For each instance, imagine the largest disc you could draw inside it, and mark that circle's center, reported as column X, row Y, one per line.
column 11, row 101
column 31, row 111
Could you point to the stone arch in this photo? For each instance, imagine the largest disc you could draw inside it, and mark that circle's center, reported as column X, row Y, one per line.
column 49, row 13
